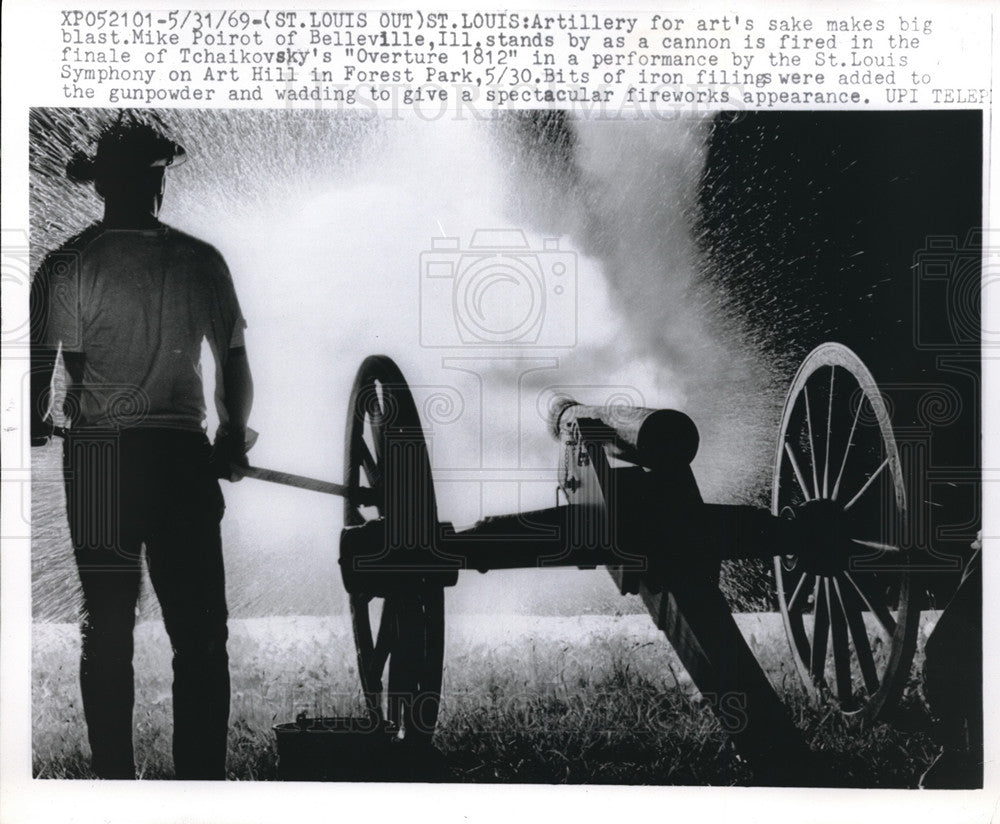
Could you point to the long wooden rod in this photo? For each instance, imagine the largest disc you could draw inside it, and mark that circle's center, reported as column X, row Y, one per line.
column 299, row 481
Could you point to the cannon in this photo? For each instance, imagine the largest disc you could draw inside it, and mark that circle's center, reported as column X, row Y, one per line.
column 629, row 501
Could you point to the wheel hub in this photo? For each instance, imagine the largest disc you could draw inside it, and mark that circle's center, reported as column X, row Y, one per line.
column 824, row 536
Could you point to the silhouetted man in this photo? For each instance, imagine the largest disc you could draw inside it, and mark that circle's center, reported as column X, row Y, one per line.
column 128, row 302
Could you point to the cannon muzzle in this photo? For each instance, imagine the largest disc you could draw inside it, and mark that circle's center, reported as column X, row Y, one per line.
column 647, row 437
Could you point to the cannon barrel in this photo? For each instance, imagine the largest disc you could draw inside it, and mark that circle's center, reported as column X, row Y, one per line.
column 647, row 437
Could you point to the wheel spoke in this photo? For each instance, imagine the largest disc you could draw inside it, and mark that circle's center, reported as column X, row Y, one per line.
column 378, row 432
column 829, row 424
column 868, row 483
column 850, row 443
column 799, row 588
column 812, row 447
column 368, row 463
column 841, row 646
column 821, row 631
column 878, row 609
column 372, row 409
column 362, row 626
column 408, row 655
column 361, row 623
column 383, row 644
column 859, row 634
column 798, row 472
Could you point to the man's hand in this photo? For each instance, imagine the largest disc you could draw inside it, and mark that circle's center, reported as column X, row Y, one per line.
column 229, row 453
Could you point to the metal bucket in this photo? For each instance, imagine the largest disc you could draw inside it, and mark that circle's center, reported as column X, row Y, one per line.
column 334, row 748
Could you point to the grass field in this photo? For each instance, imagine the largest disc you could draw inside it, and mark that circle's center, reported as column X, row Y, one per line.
column 591, row 699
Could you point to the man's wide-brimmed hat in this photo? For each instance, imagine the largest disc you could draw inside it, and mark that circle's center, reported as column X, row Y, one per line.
column 125, row 148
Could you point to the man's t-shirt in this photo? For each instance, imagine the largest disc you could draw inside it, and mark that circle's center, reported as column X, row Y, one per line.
column 130, row 309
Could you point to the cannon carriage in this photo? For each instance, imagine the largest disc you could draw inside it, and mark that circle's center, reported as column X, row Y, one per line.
column 629, row 502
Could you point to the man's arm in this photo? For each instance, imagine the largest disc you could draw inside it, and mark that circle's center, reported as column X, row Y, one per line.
column 234, row 399
column 237, row 389
column 233, row 383
column 43, row 362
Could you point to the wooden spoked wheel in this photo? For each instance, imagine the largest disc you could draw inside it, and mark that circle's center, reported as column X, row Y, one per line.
column 401, row 627
column 848, row 606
